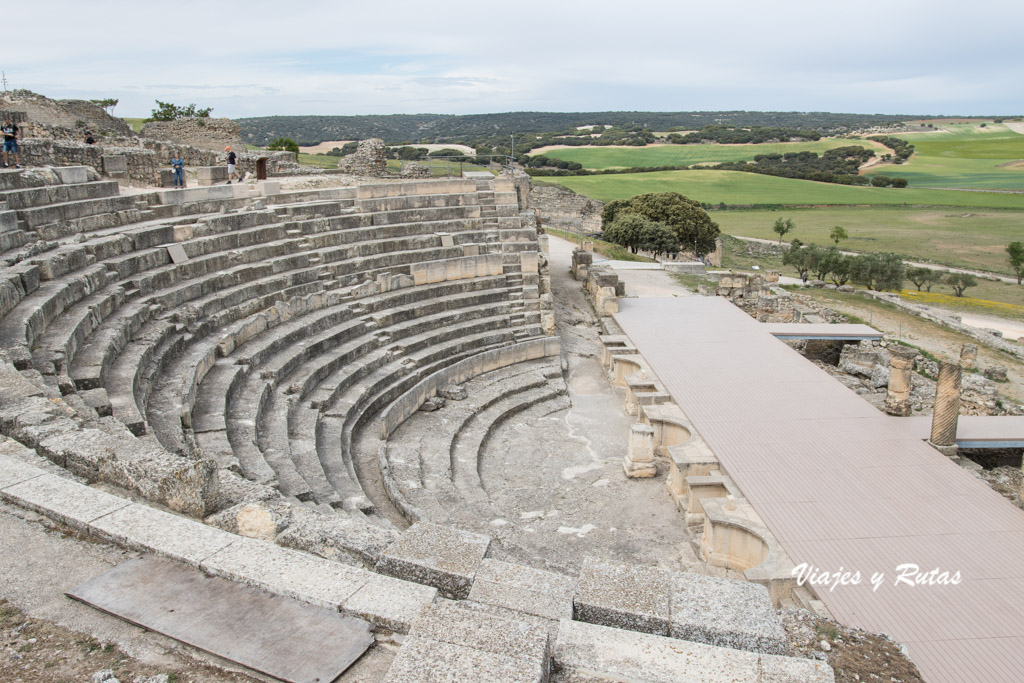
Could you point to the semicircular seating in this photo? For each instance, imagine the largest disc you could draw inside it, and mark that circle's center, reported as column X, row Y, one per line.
column 265, row 334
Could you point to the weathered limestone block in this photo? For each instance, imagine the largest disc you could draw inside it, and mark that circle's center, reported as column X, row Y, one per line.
column 115, row 165
column 585, row 652
column 505, row 636
column 452, row 392
column 901, row 366
column 528, row 261
column 735, row 614
column 336, row 537
column 625, row 596
column 440, row 556
column 639, row 461
column 523, row 589
column 263, row 520
column 389, row 603
column 606, row 302
column 423, row 659
column 969, row 356
column 211, row 175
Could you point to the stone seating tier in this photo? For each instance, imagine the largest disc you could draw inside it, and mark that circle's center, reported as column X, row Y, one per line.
column 484, row 635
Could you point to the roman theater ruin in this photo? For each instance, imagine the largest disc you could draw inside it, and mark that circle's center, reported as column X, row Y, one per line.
column 389, row 406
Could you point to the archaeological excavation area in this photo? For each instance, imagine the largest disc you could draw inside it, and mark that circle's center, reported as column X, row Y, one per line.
column 390, row 420
column 351, row 404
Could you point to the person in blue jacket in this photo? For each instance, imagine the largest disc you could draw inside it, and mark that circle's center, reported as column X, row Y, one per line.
column 178, row 164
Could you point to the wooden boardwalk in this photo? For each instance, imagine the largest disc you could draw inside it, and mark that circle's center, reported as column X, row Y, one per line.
column 847, row 488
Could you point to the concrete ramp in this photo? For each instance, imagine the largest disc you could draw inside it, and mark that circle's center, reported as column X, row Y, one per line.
column 276, row 636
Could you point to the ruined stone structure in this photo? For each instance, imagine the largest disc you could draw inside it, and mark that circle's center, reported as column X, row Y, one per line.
column 369, row 159
column 901, row 367
column 212, row 134
column 562, row 209
column 244, row 357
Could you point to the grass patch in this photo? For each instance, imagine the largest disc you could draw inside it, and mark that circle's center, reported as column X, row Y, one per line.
column 951, row 237
column 614, row 252
column 318, row 160
column 968, row 304
column 687, row 280
column 738, row 188
column 135, row 123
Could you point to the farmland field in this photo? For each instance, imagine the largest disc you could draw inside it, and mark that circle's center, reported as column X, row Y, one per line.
column 965, row 239
column 963, row 155
column 686, row 155
column 735, row 187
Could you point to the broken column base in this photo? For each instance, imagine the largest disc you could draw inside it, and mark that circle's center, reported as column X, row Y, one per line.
column 638, row 470
column 898, row 408
column 949, row 451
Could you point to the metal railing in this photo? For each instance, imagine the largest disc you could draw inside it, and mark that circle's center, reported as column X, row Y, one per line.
column 455, row 165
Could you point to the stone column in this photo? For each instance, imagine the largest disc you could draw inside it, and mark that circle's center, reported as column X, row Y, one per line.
column 639, row 461
column 901, row 365
column 716, row 255
column 947, row 408
column 969, row 356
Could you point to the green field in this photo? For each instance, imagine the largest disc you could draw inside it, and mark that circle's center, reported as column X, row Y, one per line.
column 966, row 239
column 963, row 155
column 687, row 155
column 738, row 188
column 136, row 124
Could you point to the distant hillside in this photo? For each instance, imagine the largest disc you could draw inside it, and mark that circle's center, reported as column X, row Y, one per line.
column 427, row 128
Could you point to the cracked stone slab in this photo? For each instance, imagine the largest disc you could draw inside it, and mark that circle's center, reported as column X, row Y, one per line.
column 448, row 622
column 151, row 530
column 524, row 589
column 726, row 613
column 626, row 596
column 14, row 471
column 67, row 501
column 440, row 556
column 390, row 603
column 287, row 572
column 423, row 659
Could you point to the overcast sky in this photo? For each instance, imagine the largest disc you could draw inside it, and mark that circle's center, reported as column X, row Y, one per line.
column 255, row 58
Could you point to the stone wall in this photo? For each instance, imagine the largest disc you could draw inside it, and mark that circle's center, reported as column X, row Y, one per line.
column 200, row 132
column 144, row 159
column 562, row 209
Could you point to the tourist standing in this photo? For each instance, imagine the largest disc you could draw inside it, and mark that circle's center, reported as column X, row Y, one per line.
column 178, row 164
column 10, row 132
column 231, row 164
column 89, row 139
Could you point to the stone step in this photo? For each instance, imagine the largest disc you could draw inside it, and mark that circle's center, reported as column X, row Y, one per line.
column 586, row 652
column 448, row 642
column 58, row 194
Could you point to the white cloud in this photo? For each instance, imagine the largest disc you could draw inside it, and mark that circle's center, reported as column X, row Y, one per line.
column 262, row 57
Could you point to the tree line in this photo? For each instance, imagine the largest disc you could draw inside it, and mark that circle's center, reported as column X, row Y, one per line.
column 737, row 135
column 465, row 129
